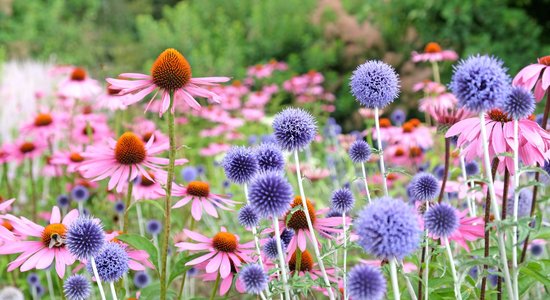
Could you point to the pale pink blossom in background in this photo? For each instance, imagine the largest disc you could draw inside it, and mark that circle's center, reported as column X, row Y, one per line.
column 535, row 76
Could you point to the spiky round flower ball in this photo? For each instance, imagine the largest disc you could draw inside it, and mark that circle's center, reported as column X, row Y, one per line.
column 85, row 237
column 254, row 279
column 366, row 282
column 63, row 201
column 374, row 84
column 112, row 262
column 472, row 168
column 80, row 193
column 77, row 287
column 388, row 228
column 294, row 129
column 248, row 217
column 286, row 236
column 270, row 194
column 398, row 117
column 240, row 165
column 424, row 187
column 270, row 157
column 154, row 227
column 519, row 104
column 442, row 220
column 359, row 151
column 524, row 203
column 342, row 200
column 142, row 279
column 479, row 82
column 270, row 249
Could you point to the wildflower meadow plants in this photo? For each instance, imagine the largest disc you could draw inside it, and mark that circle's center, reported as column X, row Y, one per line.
column 243, row 188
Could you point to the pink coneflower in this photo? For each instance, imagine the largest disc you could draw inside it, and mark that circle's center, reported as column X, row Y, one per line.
column 147, row 129
column 407, row 266
column 111, row 100
column 71, row 159
column 45, row 124
column 198, row 192
column 387, row 131
column 434, row 102
column 316, row 174
column 307, row 265
column 144, row 188
column 214, row 149
column 138, row 259
column 413, row 134
column 97, row 129
column 23, row 149
column 123, row 160
column 170, row 73
column 224, row 250
column 535, row 75
column 534, row 142
column 449, row 116
column 79, row 86
column 401, row 156
column 469, row 229
column 40, row 254
column 225, row 283
column 5, row 205
column 432, row 53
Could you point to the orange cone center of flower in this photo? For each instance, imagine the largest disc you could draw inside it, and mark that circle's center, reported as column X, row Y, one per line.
column 545, row 60
column 7, row 225
column 298, row 219
column 130, row 149
column 54, row 235
column 432, row 47
column 43, row 120
column 147, row 136
column 236, row 83
column 225, row 242
column 391, row 176
column 171, row 70
column 415, row 122
column 415, row 151
column 78, row 74
column 146, row 181
column 385, row 122
column 86, row 110
column 112, row 91
column 306, row 263
column 115, row 240
column 499, row 116
column 399, row 152
column 76, row 157
column 198, row 189
column 85, row 130
column 408, row 127
column 27, row 147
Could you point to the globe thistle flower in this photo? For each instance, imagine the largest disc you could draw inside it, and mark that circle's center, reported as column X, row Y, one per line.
column 442, row 220
column 77, row 287
column 120, row 207
column 33, row 279
column 240, row 165
column 472, row 168
column 63, row 201
column 439, row 171
column 342, row 200
column 479, row 82
column 254, row 279
column 366, row 282
column 333, row 214
column 270, row 194
column 85, row 237
column 546, row 167
column 270, row 157
column 80, row 193
column 424, row 187
column 519, row 104
column 397, row 236
column 294, row 129
column 142, row 279
column 374, row 84
column 248, row 217
column 524, row 203
column 153, row 227
column 270, row 249
column 189, row 173
column 39, row 289
column 287, row 235
column 398, row 117
column 112, row 262
column 359, row 151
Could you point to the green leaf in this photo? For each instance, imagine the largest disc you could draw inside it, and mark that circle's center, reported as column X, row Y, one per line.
column 533, row 269
column 154, row 203
column 141, row 243
column 180, row 267
column 152, row 292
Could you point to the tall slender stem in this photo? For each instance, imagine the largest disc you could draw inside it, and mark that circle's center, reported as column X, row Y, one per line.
column 113, row 290
column 255, row 233
column 127, row 206
column 435, row 69
column 458, row 295
column 344, row 266
column 215, row 287
column 33, row 191
column 393, row 273
column 446, row 171
column 469, row 198
column 310, row 226
column 50, row 283
column 427, row 258
column 6, row 180
column 380, row 151
column 409, row 285
column 281, row 257
column 503, row 216
column 97, row 279
column 515, row 270
column 140, row 219
column 365, row 181
column 487, row 230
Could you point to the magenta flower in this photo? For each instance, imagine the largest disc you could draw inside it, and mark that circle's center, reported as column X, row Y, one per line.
column 45, row 124
column 469, row 229
column 433, row 52
column 144, row 188
column 202, row 199
column 22, row 149
column 71, row 159
column 79, row 86
column 535, row 76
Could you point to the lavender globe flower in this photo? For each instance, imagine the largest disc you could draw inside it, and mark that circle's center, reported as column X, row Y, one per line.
column 112, row 262
column 374, row 84
column 524, row 203
column 333, row 213
column 248, row 217
column 546, row 167
column 286, row 236
column 537, row 249
column 294, row 129
column 77, row 287
column 342, row 201
column 270, row 249
column 270, row 157
column 270, row 194
column 479, row 82
column 80, row 193
column 254, row 279
column 189, row 173
column 240, row 165
column 142, row 279
column 424, row 187
column 366, row 282
column 397, row 235
column 442, row 220
column 398, row 117
column 519, row 104
column 39, row 289
column 33, row 279
column 85, row 237
column 359, row 151
column 63, row 201
column 153, row 227
column 472, row 168
column 120, row 207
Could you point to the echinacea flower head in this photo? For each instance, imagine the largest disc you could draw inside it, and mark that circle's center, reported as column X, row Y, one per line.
column 270, row 157
column 270, row 194
column 85, row 237
column 433, row 53
column 535, row 76
column 441, row 220
column 142, row 279
column 524, row 204
column 306, row 263
column 201, row 198
column 479, row 82
column 366, row 282
column 254, row 279
column 248, row 217
column 78, row 85
column 424, row 187
column 111, row 261
column 170, row 73
column 342, row 200
column 374, row 84
column 240, row 165
column 77, row 287
column 519, row 104
column 154, row 227
column 396, row 237
column 359, row 151
column 294, row 129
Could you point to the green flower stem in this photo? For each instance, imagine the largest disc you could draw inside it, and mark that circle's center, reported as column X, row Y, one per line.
column 215, row 287
column 127, row 206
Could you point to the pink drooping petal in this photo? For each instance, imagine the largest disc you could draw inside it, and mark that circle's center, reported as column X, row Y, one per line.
column 196, row 209
column 197, row 236
column 225, row 266
column 200, row 259
column 225, row 285
column 215, row 262
column 55, row 217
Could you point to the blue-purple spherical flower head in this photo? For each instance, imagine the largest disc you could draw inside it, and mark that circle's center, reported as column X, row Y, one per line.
column 63, row 201
column 112, row 262
column 154, row 227
column 479, row 82
column 388, row 228
column 398, row 116
column 270, row 248
column 519, row 104
column 248, row 217
column 342, row 201
column 142, row 279
column 294, row 129
column 270, row 157
column 85, row 237
column 254, row 279
column 366, row 283
column 270, row 194
column 77, row 287
column 240, row 165
column 286, row 236
column 80, row 193
column 442, row 220
column 33, row 279
column 472, row 168
column 374, row 84
column 424, row 187
column 524, row 203
column 359, row 151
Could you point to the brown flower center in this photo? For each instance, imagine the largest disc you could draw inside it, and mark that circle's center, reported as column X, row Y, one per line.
column 171, row 70
column 499, row 116
column 225, row 242
column 399, row 152
column 112, row 91
column 391, row 176
column 306, row 263
column 7, row 225
column 78, row 74
column 298, row 219
column 545, row 60
column 86, row 128
column 408, row 127
column 432, row 47
column 415, row 151
column 146, row 181
column 130, row 149
column 27, row 147
column 147, row 136
column 198, row 189
column 43, row 120
column 385, row 122
column 415, row 122
column 54, row 235
column 86, row 110
column 76, row 157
